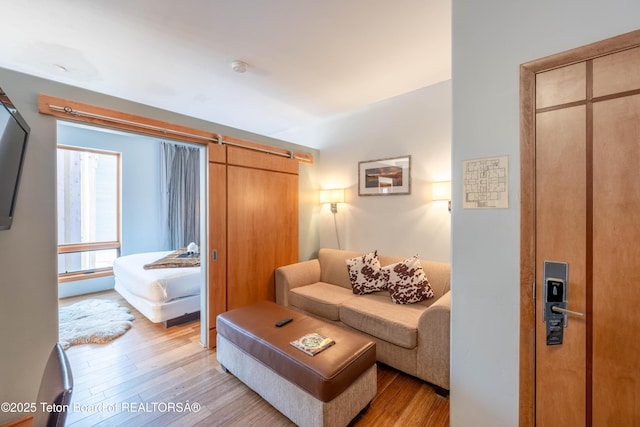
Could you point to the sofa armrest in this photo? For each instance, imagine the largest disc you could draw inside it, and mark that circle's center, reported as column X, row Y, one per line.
column 434, row 342
column 295, row 275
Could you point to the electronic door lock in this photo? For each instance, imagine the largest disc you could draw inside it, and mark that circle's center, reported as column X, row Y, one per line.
column 555, row 300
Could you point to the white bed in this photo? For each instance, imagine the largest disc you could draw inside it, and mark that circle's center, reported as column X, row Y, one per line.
column 160, row 294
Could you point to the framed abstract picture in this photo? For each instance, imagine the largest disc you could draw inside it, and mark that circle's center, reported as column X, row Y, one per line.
column 384, row 177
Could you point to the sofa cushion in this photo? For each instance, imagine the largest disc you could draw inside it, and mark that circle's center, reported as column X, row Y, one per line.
column 407, row 281
column 365, row 275
column 377, row 316
column 333, row 268
column 322, row 299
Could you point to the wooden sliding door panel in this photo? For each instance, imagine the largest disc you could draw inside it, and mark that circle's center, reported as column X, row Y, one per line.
column 262, row 231
column 253, row 225
column 217, row 153
column 259, row 160
column 217, row 253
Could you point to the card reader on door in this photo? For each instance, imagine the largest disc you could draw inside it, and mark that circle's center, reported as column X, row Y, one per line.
column 555, row 295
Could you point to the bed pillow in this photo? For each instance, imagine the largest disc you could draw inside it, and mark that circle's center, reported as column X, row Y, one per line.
column 407, row 281
column 365, row 275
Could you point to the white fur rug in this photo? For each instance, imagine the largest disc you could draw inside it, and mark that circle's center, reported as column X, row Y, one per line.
column 93, row 321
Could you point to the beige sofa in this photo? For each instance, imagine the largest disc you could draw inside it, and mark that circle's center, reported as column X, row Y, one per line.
column 413, row 338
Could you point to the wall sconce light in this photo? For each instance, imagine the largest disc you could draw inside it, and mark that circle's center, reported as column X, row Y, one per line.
column 442, row 191
column 333, row 196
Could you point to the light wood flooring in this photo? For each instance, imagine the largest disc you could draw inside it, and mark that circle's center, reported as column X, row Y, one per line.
column 164, row 377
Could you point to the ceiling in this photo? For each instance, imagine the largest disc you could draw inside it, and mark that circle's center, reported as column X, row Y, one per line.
column 308, row 59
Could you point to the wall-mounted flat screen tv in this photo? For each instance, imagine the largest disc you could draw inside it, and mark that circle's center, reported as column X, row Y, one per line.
column 14, row 133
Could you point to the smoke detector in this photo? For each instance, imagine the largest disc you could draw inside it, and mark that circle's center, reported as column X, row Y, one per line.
column 239, row 66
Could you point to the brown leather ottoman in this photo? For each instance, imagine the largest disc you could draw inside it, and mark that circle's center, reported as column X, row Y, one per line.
column 328, row 389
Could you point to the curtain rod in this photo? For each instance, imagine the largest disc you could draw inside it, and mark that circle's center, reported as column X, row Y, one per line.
column 217, row 139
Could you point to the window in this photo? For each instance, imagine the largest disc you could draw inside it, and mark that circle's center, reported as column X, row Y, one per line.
column 88, row 192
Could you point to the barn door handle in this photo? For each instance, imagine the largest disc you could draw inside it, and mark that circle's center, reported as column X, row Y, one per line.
column 561, row 310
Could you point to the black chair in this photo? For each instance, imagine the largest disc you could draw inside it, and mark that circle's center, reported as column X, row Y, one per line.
column 55, row 389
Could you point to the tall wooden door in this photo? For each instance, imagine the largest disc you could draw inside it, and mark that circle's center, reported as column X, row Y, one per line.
column 587, row 215
column 253, row 226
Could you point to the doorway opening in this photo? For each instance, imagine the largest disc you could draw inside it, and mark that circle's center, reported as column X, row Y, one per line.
column 124, row 210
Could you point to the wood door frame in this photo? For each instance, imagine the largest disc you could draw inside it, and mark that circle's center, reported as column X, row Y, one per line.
column 528, row 73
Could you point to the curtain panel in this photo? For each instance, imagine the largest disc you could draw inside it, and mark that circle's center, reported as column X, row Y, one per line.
column 180, row 193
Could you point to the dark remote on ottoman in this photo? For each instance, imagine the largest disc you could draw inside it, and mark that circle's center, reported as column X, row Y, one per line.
column 283, row 322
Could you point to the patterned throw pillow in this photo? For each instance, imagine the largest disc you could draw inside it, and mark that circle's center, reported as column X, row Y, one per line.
column 364, row 273
column 407, row 281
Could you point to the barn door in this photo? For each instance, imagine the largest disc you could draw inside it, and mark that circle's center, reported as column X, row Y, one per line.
column 253, row 226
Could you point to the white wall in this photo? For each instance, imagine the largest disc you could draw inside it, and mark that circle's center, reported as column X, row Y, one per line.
column 28, row 252
column 28, row 291
column 490, row 40
column 416, row 124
